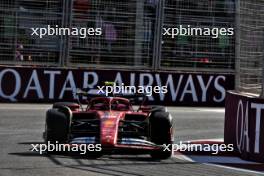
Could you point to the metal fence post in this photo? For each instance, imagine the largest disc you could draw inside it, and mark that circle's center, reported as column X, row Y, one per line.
column 237, row 46
column 62, row 43
column 67, row 22
column 262, row 79
column 139, row 32
column 262, row 70
column 158, row 35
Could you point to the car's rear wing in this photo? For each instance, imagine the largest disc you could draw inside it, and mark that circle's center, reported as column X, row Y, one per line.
column 97, row 93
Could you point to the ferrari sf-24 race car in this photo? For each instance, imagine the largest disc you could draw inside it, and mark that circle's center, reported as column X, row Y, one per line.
column 112, row 122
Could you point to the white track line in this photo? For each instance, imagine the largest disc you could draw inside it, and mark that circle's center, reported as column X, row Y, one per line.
column 206, row 159
column 24, row 108
column 201, row 140
column 186, row 158
column 212, row 110
column 234, row 168
column 192, row 110
column 219, row 159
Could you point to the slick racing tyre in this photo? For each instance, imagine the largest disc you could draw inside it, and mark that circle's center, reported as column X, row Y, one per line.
column 57, row 124
column 161, row 130
column 73, row 106
column 157, row 108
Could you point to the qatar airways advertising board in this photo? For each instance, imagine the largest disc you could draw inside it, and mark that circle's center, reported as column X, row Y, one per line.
column 24, row 84
column 244, row 125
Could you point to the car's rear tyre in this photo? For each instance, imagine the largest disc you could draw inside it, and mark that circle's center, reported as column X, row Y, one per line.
column 161, row 124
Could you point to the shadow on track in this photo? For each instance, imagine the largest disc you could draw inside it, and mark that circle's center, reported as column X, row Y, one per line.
column 114, row 165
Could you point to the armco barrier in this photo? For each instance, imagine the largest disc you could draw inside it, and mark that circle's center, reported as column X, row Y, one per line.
column 244, row 125
column 20, row 84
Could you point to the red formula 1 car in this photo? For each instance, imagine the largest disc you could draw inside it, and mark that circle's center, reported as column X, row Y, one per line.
column 114, row 124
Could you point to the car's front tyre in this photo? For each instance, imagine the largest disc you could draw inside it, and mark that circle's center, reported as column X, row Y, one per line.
column 161, row 133
column 57, row 125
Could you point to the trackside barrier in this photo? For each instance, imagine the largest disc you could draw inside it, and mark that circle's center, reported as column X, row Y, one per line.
column 244, row 125
column 25, row 84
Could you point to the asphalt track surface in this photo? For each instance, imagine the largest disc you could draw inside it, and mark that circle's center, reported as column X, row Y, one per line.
column 23, row 124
